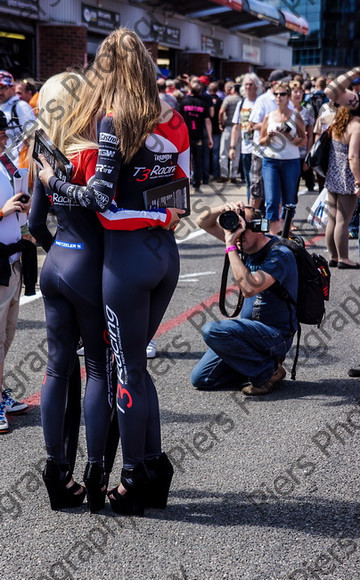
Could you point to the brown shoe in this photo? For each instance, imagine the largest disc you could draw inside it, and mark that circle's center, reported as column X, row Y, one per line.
column 278, row 376
column 222, row 180
column 251, row 390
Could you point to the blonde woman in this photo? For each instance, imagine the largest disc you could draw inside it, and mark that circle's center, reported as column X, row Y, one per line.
column 71, row 286
column 142, row 144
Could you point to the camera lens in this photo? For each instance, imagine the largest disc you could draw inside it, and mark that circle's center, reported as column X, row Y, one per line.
column 229, row 220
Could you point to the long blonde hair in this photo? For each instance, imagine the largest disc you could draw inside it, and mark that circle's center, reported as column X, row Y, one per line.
column 121, row 81
column 56, row 102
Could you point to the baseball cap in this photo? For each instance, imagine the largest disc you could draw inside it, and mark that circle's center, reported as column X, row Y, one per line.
column 356, row 81
column 3, row 122
column 279, row 75
column 6, row 79
column 204, row 80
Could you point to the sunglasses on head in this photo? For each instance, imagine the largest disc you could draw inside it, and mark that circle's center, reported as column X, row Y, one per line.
column 280, row 94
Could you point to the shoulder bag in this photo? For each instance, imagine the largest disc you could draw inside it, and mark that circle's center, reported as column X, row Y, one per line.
column 318, row 156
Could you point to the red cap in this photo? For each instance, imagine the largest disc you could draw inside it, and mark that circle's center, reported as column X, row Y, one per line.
column 204, row 80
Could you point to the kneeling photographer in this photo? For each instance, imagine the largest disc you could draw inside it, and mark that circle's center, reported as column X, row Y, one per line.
column 250, row 348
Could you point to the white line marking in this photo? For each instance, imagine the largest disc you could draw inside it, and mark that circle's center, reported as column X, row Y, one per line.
column 191, row 236
column 197, row 274
column 27, row 299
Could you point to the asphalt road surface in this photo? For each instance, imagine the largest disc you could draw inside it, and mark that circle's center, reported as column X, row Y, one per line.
column 264, row 488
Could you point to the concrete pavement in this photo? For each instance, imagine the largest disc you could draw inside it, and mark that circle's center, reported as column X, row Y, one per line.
column 264, row 488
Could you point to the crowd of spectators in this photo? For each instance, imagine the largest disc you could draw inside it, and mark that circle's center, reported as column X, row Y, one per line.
column 237, row 109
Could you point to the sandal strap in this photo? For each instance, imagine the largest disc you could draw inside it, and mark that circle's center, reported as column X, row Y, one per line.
column 75, row 487
column 114, row 492
column 67, row 478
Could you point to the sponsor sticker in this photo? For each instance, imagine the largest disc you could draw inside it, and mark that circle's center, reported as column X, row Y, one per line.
column 69, row 245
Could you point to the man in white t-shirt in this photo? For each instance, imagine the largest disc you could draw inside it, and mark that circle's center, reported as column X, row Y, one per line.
column 251, row 87
column 265, row 104
column 12, row 217
column 19, row 114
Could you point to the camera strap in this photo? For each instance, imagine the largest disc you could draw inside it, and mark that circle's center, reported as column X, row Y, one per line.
column 222, row 295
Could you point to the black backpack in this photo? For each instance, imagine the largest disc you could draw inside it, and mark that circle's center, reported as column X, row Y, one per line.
column 313, row 287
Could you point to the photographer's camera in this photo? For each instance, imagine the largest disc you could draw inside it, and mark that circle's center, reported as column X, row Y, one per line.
column 229, row 220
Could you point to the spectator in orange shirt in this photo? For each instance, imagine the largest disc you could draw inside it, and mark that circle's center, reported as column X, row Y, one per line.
column 27, row 91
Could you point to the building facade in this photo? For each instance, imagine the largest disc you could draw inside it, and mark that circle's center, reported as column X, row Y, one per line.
column 39, row 38
column 333, row 42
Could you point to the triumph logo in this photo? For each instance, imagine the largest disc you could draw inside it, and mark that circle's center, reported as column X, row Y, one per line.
column 162, row 158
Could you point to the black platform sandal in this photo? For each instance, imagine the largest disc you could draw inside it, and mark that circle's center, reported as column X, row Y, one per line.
column 56, row 478
column 96, row 483
column 135, row 481
column 161, row 472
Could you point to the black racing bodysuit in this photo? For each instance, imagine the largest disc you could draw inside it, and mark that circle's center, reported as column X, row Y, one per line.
column 141, row 267
column 71, row 286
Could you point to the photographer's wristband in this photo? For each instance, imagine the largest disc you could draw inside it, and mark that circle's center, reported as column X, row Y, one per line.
column 230, row 249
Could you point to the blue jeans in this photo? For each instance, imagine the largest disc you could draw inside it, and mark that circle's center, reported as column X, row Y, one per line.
column 215, row 155
column 246, row 165
column 280, row 184
column 239, row 349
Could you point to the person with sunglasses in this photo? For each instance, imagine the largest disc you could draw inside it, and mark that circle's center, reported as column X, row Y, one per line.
column 282, row 133
column 19, row 116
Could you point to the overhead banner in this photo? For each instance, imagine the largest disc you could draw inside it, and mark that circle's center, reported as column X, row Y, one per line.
column 25, row 8
column 166, row 34
column 251, row 53
column 213, row 46
column 233, row 4
column 99, row 18
column 295, row 23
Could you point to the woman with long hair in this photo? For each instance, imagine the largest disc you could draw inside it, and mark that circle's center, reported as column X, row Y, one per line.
column 343, row 184
column 282, row 133
column 142, row 145
column 71, row 286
